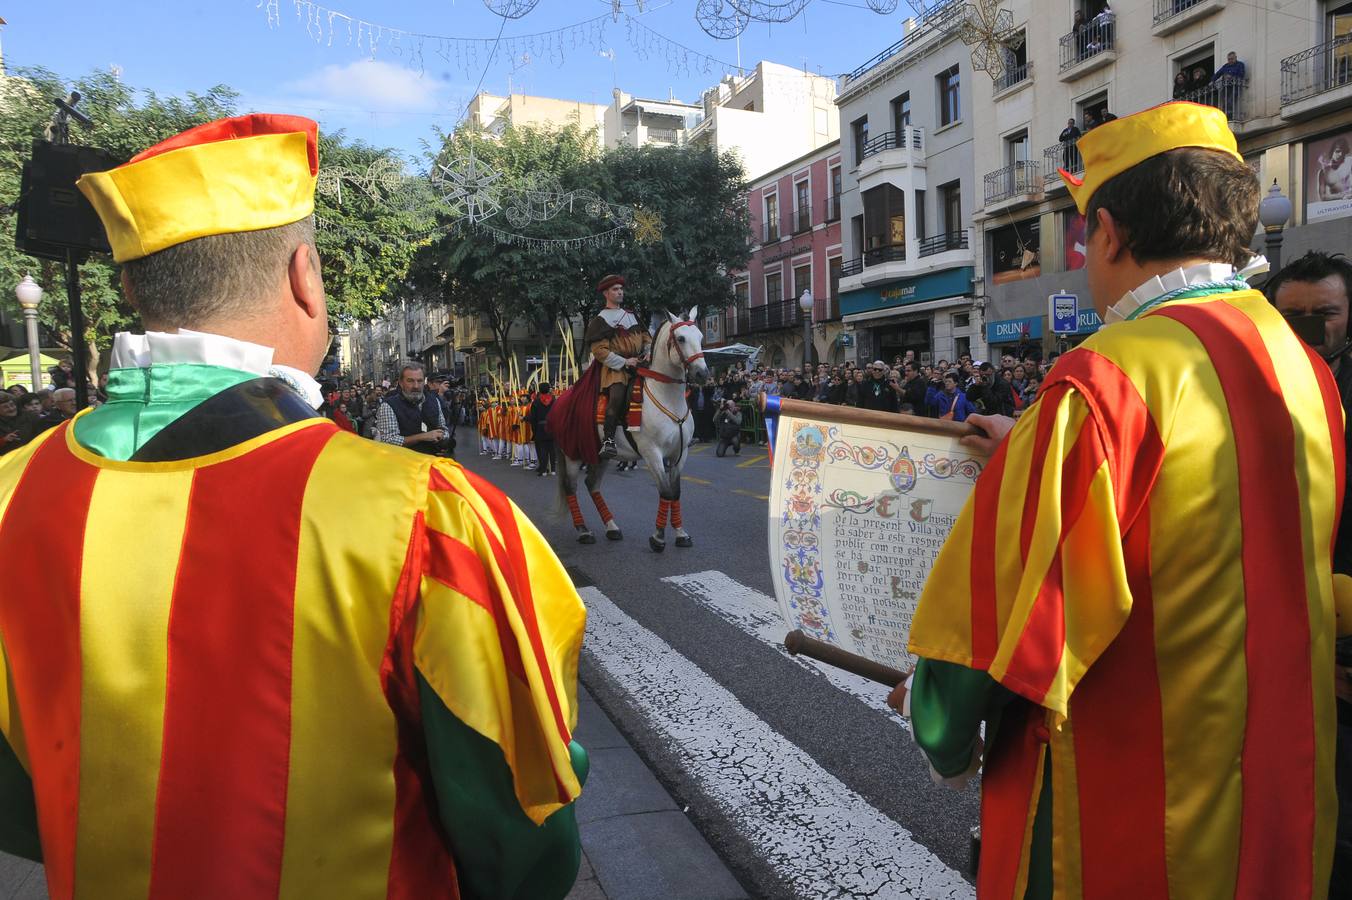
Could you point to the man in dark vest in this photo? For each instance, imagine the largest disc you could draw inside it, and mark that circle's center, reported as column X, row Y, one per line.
column 411, row 417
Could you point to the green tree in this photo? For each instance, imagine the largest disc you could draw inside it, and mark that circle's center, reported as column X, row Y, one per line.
column 694, row 194
column 121, row 125
column 370, row 229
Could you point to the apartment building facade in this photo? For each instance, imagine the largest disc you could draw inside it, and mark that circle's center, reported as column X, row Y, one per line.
column 907, row 195
column 493, row 114
column 1283, row 77
column 637, row 122
column 795, row 217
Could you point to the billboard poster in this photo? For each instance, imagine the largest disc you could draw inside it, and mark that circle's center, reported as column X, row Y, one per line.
column 1076, row 241
column 1015, row 252
column 1328, row 177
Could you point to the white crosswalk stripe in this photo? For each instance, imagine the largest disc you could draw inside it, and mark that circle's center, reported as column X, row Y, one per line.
column 823, row 838
column 758, row 614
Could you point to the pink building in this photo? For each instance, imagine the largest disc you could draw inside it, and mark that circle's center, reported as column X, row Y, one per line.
column 795, row 221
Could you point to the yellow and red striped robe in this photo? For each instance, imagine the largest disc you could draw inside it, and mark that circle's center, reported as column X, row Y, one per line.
column 1147, row 558
column 209, row 667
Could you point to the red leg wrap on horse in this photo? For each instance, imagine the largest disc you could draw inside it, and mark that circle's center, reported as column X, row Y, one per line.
column 573, row 508
column 662, row 508
column 601, row 506
column 675, row 514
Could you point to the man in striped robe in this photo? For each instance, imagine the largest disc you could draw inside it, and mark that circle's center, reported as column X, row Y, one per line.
column 1138, row 599
column 268, row 658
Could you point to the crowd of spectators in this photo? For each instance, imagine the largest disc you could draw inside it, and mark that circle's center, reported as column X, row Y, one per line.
column 946, row 390
column 25, row 414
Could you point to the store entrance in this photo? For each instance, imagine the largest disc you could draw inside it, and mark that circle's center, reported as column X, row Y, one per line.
column 895, row 340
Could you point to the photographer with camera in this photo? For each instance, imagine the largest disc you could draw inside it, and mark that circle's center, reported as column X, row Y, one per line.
column 728, row 421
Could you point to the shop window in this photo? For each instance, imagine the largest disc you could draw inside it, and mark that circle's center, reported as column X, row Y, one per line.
column 1015, row 252
column 962, row 346
column 962, row 320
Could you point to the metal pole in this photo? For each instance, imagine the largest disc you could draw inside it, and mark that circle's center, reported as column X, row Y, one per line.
column 807, row 337
column 1274, row 250
column 79, row 359
column 30, row 323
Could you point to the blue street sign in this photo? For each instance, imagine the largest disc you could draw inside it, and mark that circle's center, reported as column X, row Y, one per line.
column 1063, row 310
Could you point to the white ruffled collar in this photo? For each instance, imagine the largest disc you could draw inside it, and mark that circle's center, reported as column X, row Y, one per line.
column 1180, row 279
column 140, row 351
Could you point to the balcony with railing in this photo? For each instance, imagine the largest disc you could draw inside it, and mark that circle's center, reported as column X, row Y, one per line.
column 1171, row 15
column 833, row 208
column 663, row 135
column 937, row 19
column 851, row 267
column 942, row 243
column 1015, row 183
column 1064, row 155
column 1228, row 94
column 1011, row 77
column 770, row 232
column 886, row 253
column 1087, row 48
column 908, row 138
column 779, row 314
column 895, row 150
column 802, row 219
column 1317, row 79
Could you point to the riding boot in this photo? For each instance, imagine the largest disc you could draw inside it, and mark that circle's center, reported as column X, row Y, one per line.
column 608, row 449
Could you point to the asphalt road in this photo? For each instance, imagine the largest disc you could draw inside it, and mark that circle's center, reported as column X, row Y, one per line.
column 698, row 638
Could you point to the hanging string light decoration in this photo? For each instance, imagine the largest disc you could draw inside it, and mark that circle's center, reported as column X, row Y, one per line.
column 383, row 177
column 469, row 186
column 765, row 11
column 720, row 19
column 511, row 9
column 989, row 31
column 647, row 227
column 883, row 7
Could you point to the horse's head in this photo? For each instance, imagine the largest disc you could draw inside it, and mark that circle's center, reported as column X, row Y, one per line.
column 684, row 347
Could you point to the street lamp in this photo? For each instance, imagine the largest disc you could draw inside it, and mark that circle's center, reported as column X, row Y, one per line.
column 805, row 304
column 1274, row 212
column 29, row 293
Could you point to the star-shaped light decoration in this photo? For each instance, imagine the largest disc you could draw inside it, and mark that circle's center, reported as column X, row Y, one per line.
column 469, row 186
column 647, row 227
column 989, row 31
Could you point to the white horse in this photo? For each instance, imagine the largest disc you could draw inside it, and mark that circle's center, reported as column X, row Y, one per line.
column 662, row 441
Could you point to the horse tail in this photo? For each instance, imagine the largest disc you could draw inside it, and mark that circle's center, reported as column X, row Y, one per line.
column 567, row 484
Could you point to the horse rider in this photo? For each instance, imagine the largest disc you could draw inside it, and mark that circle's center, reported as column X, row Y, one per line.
column 618, row 343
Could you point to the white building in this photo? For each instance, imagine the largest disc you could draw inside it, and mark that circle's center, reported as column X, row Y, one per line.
column 636, row 122
column 907, row 194
column 492, row 113
column 1288, row 109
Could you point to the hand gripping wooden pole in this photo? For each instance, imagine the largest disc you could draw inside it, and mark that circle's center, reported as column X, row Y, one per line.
column 798, row 643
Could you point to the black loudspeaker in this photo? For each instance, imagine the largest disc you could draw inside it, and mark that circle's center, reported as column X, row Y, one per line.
column 53, row 216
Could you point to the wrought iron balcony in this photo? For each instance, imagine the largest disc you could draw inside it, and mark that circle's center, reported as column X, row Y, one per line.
column 1012, row 75
column 1019, row 179
column 1064, row 155
column 909, row 137
column 1086, row 42
column 852, row 267
column 941, row 243
column 1227, row 93
column 1165, row 10
column 770, row 232
column 780, row 314
column 1319, row 69
column 885, row 254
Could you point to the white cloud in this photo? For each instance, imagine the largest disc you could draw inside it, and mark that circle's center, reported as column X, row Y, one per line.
column 371, row 85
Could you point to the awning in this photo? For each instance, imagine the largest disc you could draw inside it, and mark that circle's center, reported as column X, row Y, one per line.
column 907, row 309
column 731, row 354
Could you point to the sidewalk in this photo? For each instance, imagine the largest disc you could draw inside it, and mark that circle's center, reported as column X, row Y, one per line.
column 636, row 843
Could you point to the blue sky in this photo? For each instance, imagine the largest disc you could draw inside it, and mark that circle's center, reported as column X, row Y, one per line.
column 388, row 99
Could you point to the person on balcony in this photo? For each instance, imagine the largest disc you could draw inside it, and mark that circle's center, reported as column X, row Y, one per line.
column 1227, row 82
column 1182, row 86
column 1068, row 136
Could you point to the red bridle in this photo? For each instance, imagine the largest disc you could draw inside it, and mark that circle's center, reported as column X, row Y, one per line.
column 671, row 342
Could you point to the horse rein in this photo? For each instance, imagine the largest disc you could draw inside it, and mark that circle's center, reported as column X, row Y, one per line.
column 667, row 379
